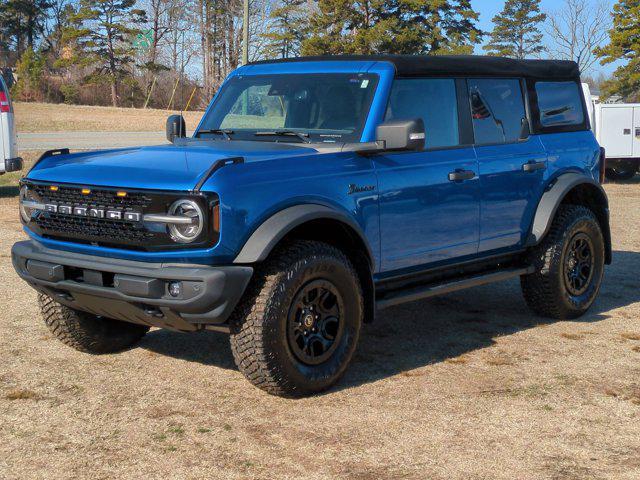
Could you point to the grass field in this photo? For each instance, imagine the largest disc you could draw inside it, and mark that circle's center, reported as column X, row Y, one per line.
column 46, row 117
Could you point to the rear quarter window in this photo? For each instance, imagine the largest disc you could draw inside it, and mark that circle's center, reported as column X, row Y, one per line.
column 560, row 104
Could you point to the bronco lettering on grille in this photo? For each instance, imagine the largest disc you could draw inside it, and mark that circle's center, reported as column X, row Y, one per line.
column 95, row 212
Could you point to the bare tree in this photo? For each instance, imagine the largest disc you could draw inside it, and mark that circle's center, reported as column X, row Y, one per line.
column 577, row 29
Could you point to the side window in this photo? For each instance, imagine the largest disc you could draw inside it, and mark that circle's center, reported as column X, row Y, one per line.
column 497, row 109
column 560, row 104
column 433, row 100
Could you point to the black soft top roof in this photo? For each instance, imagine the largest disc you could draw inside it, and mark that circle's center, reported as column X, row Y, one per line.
column 472, row 65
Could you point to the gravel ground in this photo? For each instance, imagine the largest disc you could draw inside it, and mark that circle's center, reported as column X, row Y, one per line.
column 467, row 386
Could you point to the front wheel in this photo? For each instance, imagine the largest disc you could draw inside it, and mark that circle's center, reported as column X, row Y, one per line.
column 297, row 328
column 569, row 265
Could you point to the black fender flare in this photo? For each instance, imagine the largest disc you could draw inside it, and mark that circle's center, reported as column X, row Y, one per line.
column 262, row 241
column 553, row 197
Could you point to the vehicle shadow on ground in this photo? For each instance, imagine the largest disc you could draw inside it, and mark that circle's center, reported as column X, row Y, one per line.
column 415, row 335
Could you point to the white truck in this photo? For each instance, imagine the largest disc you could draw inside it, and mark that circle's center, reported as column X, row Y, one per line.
column 9, row 160
column 617, row 128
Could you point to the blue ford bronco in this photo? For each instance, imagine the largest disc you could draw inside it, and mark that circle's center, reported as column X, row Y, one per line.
column 314, row 192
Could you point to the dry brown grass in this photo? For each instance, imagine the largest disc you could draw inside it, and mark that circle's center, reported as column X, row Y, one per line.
column 47, row 117
column 461, row 360
column 21, row 394
column 176, row 407
column 500, row 361
column 630, row 335
column 572, row 336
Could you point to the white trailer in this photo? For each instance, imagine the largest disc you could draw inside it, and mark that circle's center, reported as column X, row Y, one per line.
column 617, row 128
column 9, row 161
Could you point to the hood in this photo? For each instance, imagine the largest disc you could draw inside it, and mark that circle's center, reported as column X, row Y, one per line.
column 165, row 167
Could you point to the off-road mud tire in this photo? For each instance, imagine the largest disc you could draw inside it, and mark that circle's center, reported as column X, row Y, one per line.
column 260, row 343
column 86, row 332
column 546, row 291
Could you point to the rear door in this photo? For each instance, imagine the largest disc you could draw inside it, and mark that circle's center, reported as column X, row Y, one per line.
column 616, row 133
column 429, row 200
column 511, row 169
column 636, row 132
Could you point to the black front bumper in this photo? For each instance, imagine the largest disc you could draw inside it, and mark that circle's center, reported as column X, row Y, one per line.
column 135, row 292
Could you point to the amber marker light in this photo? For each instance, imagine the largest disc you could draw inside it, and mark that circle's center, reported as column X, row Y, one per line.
column 86, row 191
column 121, row 194
column 216, row 218
column 53, row 188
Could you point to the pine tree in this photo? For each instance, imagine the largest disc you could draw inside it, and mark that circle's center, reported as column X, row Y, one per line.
column 516, row 31
column 289, row 27
column 624, row 44
column 22, row 22
column 101, row 37
column 393, row 26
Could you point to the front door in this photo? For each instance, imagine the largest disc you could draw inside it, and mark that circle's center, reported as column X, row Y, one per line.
column 429, row 200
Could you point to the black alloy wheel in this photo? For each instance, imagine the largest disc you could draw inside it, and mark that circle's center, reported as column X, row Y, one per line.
column 579, row 264
column 314, row 326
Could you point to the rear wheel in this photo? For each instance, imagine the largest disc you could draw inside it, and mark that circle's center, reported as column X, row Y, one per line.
column 569, row 265
column 86, row 332
column 298, row 326
column 622, row 171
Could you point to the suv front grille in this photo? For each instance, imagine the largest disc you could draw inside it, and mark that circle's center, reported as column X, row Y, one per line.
column 108, row 232
column 103, row 198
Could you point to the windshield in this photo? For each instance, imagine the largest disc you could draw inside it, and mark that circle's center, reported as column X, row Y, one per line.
column 292, row 108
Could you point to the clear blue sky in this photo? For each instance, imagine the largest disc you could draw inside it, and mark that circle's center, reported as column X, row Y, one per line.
column 489, row 8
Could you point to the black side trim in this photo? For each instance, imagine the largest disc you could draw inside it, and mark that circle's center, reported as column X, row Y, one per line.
column 449, row 271
column 426, row 291
column 269, row 233
column 553, row 197
column 215, row 167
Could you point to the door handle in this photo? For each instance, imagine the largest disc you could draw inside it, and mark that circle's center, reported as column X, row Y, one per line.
column 530, row 167
column 460, row 175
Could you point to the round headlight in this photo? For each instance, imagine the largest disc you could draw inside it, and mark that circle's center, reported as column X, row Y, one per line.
column 26, row 195
column 186, row 232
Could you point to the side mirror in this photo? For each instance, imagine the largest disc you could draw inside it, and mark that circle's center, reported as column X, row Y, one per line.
column 176, row 127
column 525, row 129
column 401, row 135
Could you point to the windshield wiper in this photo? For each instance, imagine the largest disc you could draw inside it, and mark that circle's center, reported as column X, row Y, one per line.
column 217, row 131
column 286, row 133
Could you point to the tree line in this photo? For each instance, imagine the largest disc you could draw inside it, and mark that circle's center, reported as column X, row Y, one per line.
column 176, row 53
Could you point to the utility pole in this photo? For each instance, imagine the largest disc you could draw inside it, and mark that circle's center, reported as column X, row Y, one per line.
column 245, row 34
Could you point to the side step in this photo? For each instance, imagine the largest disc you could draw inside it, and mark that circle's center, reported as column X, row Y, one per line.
column 432, row 290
